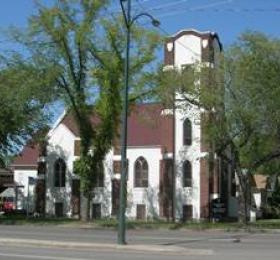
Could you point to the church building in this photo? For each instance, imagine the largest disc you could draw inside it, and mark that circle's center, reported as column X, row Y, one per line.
column 168, row 170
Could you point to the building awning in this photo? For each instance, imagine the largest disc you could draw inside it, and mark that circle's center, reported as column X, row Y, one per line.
column 8, row 193
column 13, row 185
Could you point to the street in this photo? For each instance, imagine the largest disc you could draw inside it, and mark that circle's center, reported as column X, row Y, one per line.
column 52, row 242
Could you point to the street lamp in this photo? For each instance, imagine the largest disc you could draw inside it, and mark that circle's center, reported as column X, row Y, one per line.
column 128, row 23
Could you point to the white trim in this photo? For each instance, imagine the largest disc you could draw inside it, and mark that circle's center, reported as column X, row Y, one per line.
column 214, row 196
column 116, row 176
column 166, row 112
column 66, row 128
column 167, row 156
column 57, row 122
column 168, row 67
column 194, row 30
column 117, row 157
column 41, row 159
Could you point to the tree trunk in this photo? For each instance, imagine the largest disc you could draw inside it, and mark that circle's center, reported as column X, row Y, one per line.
column 242, row 197
column 85, row 207
column 211, row 173
column 242, row 188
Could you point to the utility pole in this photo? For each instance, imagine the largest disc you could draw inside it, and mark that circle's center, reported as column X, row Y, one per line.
column 122, row 207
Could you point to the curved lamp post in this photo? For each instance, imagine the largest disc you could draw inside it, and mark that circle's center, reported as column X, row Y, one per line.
column 128, row 23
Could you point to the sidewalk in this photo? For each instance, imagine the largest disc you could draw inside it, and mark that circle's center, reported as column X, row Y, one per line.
column 137, row 248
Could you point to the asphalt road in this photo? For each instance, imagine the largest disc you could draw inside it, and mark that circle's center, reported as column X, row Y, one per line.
column 155, row 237
column 217, row 245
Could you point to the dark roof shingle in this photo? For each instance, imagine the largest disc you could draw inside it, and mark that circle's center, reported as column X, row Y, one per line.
column 146, row 127
column 28, row 156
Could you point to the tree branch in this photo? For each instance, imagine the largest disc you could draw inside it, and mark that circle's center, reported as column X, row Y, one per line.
column 82, row 67
column 65, row 86
column 70, row 61
column 267, row 158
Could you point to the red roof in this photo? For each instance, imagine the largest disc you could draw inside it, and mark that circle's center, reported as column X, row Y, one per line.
column 70, row 123
column 146, row 126
column 28, row 156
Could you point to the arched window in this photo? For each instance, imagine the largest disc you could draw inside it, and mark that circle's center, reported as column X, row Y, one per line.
column 141, row 173
column 187, row 174
column 187, row 132
column 59, row 173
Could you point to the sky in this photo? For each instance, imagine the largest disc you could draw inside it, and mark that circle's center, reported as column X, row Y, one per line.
column 226, row 17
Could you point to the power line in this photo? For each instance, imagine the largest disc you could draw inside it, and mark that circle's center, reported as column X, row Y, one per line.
column 174, row 5
column 168, row 34
column 212, row 4
column 216, row 10
column 196, row 8
column 179, row 6
column 165, row 5
column 276, row 9
column 174, row 9
column 132, row 5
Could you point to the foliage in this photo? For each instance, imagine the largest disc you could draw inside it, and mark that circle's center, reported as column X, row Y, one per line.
column 24, row 96
column 254, row 73
column 239, row 97
column 20, row 219
column 82, row 48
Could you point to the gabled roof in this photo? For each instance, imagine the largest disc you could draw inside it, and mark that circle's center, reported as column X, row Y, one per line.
column 68, row 120
column 146, row 126
column 28, row 156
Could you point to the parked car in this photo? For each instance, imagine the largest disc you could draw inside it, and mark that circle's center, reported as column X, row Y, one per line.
column 8, row 204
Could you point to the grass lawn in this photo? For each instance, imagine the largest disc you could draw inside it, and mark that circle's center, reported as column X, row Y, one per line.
column 20, row 219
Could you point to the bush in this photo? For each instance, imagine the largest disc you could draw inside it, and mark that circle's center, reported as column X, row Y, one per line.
column 271, row 212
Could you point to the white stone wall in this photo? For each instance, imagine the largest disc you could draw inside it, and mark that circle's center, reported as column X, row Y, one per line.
column 135, row 195
column 188, row 195
column 103, row 194
column 187, row 51
column 60, row 145
column 147, row 196
column 21, row 178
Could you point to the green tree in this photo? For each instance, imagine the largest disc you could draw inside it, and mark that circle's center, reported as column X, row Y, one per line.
column 240, row 99
column 23, row 104
column 82, row 45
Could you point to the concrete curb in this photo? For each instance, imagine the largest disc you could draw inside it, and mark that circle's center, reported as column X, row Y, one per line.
column 156, row 249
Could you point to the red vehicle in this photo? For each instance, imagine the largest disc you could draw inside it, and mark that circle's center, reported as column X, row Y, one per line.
column 8, row 205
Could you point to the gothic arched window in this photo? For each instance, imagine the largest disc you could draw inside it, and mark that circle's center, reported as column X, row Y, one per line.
column 59, row 173
column 187, row 132
column 187, row 174
column 141, row 173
